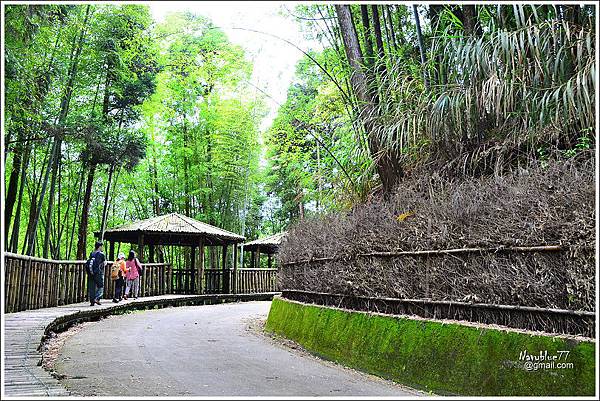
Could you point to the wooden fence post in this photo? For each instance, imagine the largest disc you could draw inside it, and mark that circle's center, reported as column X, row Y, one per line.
column 235, row 270
column 225, row 289
column 201, row 266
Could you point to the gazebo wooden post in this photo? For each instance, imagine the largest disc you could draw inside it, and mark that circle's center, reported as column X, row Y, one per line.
column 193, row 269
column 269, row 259
column 151, row 253
column 253, row 259
column 111, row 251
column 225, row 271
column 141, row 247
column 235, row 263
column 201, row 266
column 257, row 263
column 140, row 255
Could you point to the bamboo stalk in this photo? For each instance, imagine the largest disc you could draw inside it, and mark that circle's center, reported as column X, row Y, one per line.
column 516, row 249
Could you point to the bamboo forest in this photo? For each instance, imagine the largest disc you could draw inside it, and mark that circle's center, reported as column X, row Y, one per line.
column 111, row 118
column 432, row 159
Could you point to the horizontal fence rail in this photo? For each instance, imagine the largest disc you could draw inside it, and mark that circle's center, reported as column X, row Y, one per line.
column 560, row 321
column 439, row 252
column 33, row 283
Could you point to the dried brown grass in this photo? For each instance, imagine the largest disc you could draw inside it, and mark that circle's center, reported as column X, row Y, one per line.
column 543, row 205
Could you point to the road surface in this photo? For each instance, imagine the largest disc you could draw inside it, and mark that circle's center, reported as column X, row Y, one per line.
column 201, row 351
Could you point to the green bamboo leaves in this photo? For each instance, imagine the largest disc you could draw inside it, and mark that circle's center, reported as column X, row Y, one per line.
column 514, row 81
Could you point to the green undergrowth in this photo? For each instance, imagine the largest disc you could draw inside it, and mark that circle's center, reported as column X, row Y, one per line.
column 444, row 358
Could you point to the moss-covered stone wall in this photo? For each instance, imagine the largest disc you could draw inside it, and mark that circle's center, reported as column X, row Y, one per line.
column 444, row 358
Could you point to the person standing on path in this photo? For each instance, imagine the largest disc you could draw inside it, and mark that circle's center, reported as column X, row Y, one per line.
column 121, row 273
column 134, row 269
column 95, row 274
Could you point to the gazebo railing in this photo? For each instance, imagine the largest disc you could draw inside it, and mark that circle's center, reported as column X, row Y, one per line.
column 213, row 280
column 184, row 281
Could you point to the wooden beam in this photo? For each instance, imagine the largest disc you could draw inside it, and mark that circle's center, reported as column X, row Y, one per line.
column 193, row 269
column 201, row 266
column 257, row 263
column 151, row 253
column 141, row 258
column 225, row 271
column 111, row 251
column 269, row 259
column 235, row 263
column 141, row 247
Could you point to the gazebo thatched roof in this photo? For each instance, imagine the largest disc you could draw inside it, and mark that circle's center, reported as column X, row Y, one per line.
column 268, row 245
column 171, row 229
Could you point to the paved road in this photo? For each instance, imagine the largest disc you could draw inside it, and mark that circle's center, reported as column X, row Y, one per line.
column 201, row 351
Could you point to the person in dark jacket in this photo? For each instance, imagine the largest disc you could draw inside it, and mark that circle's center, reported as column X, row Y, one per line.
column 95, row 274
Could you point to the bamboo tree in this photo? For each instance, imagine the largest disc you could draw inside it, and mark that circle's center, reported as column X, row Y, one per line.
column 23, row 147
column 56, row 147
column 387, row 163
column 421, row 45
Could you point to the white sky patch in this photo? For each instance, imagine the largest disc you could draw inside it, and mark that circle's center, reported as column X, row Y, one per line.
column 274, row 60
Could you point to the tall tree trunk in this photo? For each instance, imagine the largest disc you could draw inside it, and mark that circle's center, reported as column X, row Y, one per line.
column 154, row 175
column 421, row 45
column 85, row 212
column 11, row 192
column 58, row 225
column 388, row 14
column 33, row 192
column 387, row 164
column 64, row 224
column 35, row 212
column 186, row 184
column 111, row 170
column 17, row 223
column 377, row 32
column 72, row 235
column 438, row 75
column 209, row 181
column 368, row 34
column 386, row 30
column 470, row 20
column 29, row 233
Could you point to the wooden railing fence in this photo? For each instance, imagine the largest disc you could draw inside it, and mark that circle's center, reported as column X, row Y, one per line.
column 561, row 321
column 33, row 283
column 249, row 281
column 256, row 280
column 213, row 280
column 184, row 281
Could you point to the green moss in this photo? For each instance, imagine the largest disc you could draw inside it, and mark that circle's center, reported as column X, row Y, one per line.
column 435, row 356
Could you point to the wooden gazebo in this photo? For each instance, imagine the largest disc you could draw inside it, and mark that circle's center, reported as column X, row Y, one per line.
column 178, row 230
column 268, row 245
